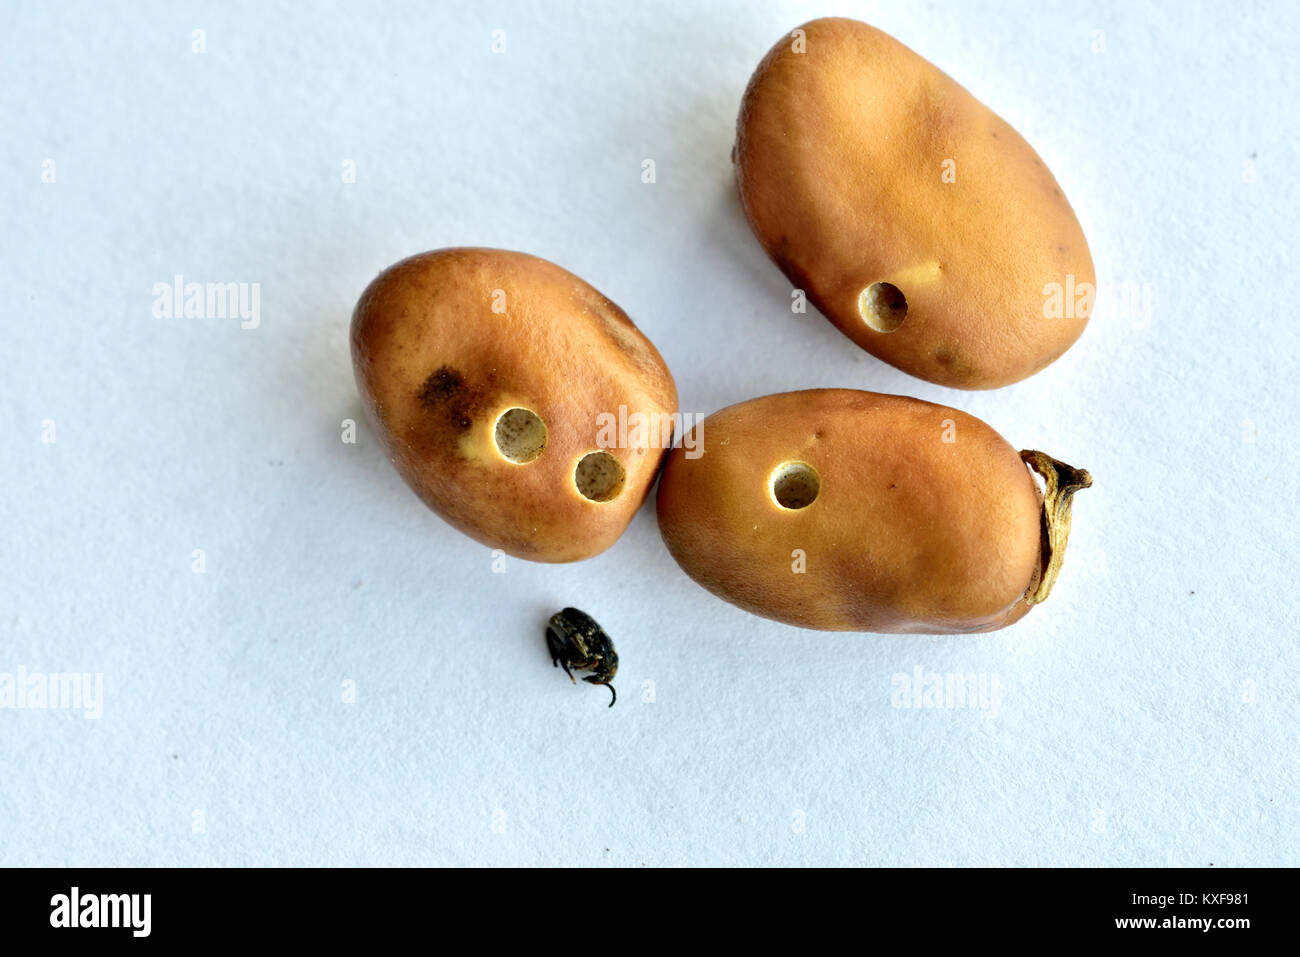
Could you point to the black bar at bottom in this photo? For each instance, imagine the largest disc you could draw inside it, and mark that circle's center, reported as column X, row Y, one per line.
column 335, row 907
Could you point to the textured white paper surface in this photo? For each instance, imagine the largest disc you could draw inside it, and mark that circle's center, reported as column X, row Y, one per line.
column 1147, row 714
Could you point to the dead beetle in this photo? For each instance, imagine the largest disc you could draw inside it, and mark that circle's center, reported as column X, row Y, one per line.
column 575, row 641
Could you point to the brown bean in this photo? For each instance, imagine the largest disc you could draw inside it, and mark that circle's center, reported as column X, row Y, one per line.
column 853, row 511
column 913, row 217
column 485, row 374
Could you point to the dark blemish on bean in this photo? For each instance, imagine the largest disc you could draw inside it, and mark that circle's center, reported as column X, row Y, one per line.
column 446, row 390
column 440, row 386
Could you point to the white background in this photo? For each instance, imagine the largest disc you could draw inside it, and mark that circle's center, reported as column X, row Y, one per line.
column 1147, row 713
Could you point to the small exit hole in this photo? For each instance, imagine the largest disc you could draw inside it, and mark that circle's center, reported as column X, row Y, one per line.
column 883, row 306
column 795, row 485
column 599, row 476
column 520, row 435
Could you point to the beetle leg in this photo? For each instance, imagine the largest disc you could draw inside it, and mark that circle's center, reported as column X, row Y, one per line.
column 603, row 681
column 554, row 646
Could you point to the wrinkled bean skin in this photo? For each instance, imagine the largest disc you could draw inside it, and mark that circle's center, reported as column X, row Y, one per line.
column 908, row 532
column 859, row 162
column 446, row 341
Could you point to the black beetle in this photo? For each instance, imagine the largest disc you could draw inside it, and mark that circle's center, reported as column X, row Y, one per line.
column 575, row 641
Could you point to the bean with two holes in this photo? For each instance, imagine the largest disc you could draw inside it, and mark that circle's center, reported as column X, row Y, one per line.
column 490, row 378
